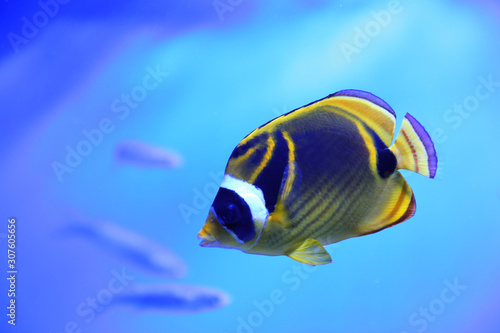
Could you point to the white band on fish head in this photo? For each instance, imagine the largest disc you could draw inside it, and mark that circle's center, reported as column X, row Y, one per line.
column 253, row 196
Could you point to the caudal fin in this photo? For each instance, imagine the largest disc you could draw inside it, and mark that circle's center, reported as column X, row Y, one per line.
column 414, row 148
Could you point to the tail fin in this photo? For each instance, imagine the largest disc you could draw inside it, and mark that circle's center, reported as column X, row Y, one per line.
column 414, row 149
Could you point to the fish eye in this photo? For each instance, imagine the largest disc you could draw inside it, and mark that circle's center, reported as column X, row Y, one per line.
column 231, row 214
column 234, row 214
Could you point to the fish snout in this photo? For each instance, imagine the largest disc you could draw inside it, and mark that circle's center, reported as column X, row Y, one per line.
column 213, row 234
column 206, row 238
column 209, row 230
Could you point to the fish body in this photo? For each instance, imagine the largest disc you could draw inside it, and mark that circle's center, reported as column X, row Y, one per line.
column 318, row 175
column 172, row 298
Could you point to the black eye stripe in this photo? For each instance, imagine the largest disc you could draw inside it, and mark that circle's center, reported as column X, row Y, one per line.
column 242, row 223
column 231, row 214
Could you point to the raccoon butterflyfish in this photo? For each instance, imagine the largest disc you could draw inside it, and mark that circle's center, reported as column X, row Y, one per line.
column 317, row 175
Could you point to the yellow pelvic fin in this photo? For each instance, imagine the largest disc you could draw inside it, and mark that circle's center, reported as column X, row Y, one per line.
column 311, row 252
column 395, row 204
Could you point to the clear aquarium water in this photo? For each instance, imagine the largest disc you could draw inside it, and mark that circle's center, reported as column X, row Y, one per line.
column 117, row 120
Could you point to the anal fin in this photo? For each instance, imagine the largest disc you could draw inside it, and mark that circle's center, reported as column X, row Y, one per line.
column 395, row 204
column 311, row 252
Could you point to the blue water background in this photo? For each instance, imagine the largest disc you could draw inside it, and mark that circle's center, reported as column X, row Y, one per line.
column 227, row 74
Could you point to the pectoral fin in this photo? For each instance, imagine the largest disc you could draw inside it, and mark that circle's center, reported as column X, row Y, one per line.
column 290, row 184
column 280, row 217
column 311, row 252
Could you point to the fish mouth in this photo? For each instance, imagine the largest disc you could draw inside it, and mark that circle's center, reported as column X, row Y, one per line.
column 206, row 238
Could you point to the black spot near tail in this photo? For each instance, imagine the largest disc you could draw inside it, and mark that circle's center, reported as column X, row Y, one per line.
column 386, row 161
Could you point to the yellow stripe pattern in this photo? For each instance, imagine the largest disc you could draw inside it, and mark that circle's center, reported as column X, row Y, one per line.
column 335, row 205
column 396, row 204
column 377, row 118
column 270, row 145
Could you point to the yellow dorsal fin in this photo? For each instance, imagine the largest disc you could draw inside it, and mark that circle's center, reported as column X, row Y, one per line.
column 370, row 109
column 311, row 252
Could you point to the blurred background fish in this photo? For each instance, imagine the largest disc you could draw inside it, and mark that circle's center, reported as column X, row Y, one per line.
column 145, row 155
column 128, row 247
column 172, row 298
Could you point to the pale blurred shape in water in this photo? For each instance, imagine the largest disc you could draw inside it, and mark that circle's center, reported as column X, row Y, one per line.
column 130, row 248
column 145, row 155
column 172, row 298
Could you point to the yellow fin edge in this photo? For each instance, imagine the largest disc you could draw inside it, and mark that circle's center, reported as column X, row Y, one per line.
column 311, row 252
